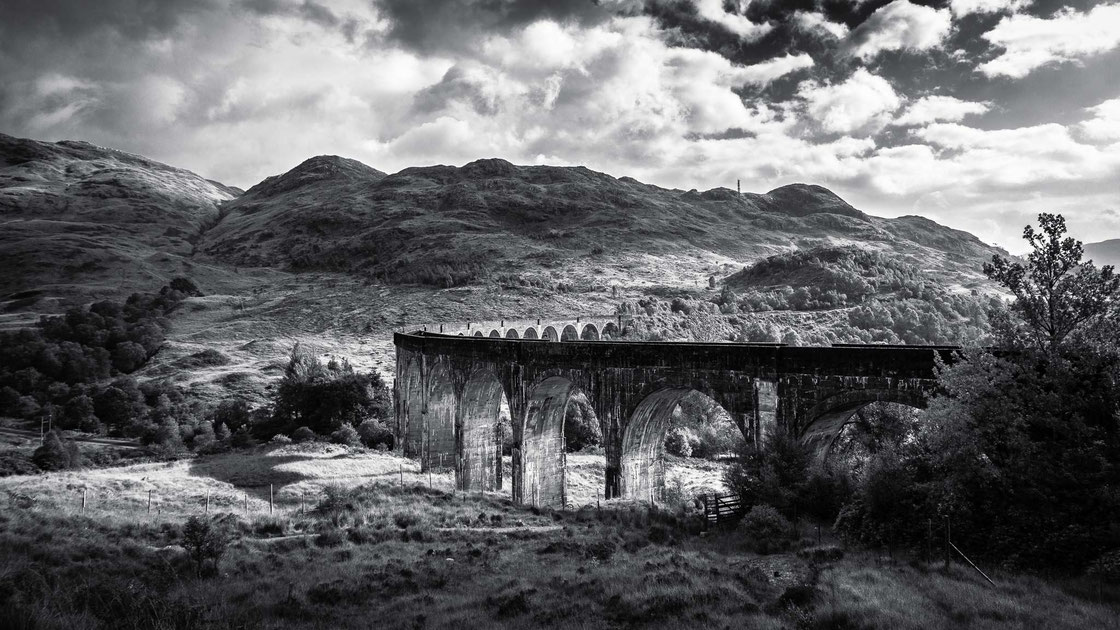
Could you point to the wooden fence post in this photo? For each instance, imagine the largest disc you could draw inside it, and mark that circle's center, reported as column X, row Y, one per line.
column 270, row 499
column 207, row 501
column 149, row 502
column 83, row 499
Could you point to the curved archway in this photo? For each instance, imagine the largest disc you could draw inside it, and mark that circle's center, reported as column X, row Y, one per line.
column 512, row 334
column 494, row 334
column 610, row 331
column 643, row 475
column 480, row 458
column 460, row 334
column 550, row 334
column 543, row 458
column 478, row 333
column 590, row 333
column 821, row 425
column 569, row 334
column 710, row 428
column 530, row 333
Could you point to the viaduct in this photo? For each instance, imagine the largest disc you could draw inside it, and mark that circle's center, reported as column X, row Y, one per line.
column 450, row 385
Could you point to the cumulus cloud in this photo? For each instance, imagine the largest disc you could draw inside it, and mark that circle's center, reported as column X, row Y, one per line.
column 713, row 11
column 962, row 8
column 935, row 108
column 1104, row 126
column 864, row 102
column 1030, row 42
column 900, row 25
column 817, row 23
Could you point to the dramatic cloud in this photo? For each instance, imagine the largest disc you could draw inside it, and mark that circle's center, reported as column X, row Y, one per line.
column 864, row 102
column 818, row 23
column 713, row 11
column 930, row 109
column 877, row 100
column 900, row 25
column 1030, row 42
column 961, row 8
column 1104, row 126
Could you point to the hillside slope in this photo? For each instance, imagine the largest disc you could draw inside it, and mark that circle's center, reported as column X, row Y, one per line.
column 1104, row 252
column 453, row 226
column 81, row 220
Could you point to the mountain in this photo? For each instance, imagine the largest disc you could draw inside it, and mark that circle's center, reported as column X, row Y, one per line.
column 81, row 220
column 491, row 219
column 1104, row 252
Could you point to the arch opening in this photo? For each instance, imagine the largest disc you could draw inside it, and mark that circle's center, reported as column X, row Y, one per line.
column 550, row 334
column 530, row 333
column 686, row 424
column 848, row 435
column 610, row 331
column 512, row 334
column 478, row 333
column 494, row 334
column 590, row 333
column 569, row 334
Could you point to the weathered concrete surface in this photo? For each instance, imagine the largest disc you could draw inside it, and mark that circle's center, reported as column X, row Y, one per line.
column 449, row 389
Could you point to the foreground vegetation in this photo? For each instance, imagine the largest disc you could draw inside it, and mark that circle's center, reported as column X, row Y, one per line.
column 411, row 556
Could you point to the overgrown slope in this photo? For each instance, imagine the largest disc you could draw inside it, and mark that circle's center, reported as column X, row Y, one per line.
column 84, row 220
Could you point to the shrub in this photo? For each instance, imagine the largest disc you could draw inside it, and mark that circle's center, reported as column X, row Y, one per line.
column 242, row 438
column 374, row 434
column 54, row 454
column 16, row 464
column 303, row 434
column 678, row 442
column 280, row 438
column 222, row 433
column 204, row 543
column 347, row 435
column 766, row 530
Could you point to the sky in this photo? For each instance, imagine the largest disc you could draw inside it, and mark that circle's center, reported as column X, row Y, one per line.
column 976, row 113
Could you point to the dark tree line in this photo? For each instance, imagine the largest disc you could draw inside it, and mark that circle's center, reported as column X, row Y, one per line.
column 1020, row 450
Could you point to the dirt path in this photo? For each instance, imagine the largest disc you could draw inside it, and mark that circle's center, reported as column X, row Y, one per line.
column 24, row 433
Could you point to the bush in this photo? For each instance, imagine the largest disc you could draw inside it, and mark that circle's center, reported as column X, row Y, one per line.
column 374, row 434
column 679, row 442
column 303, row 434
column 581, row 426
column 766, row 530
column 242, row 438
column 16, row 464
column 204, row 543
column 347, row 435
column 55, row 454
column 281, row 439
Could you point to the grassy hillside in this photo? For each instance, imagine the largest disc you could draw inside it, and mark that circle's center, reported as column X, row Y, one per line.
column 81, row 221
column 369, row 549
column 1104, row 252
column 449, row 226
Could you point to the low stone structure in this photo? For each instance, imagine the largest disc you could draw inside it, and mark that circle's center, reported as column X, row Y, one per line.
column 450, row 387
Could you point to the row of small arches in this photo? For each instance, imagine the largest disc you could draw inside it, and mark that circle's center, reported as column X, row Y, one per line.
column 569, row 333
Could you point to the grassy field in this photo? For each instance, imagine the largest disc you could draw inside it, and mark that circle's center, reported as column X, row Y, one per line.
column 349, row 545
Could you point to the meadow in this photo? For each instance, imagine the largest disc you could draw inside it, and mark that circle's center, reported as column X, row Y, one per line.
column 361, row 539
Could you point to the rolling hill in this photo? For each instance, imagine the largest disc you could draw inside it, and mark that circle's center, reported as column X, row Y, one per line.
column 1104, row 252
column 82, row 221
column 451, row 226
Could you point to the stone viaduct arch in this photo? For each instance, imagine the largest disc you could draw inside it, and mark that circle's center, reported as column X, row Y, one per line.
column 809, row 392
